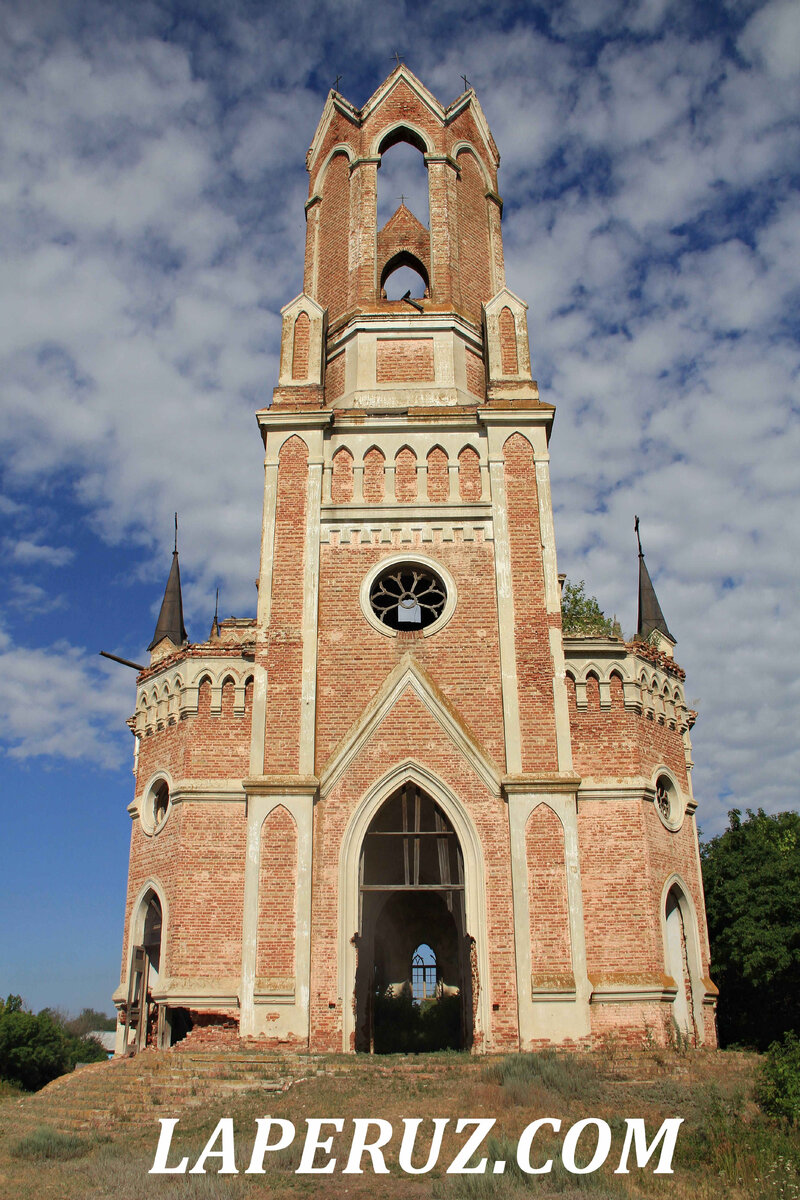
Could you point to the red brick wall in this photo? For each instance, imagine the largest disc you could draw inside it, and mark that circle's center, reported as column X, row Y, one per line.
column 405, row 478
column 463, row 657
column 335, row 378
column 551, row 957
column 476, row 374
column 300, row 346
column 334, row 237
column 438, row 476
column 374, row 479
column 473, row 246
column 508, row 342
column 342, row 477
column 534, row 664
column 469, row 474
column 405, row 360
column 284, row 657
column 276, row 893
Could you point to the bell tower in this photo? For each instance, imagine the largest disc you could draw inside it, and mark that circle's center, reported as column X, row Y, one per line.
column 409, row 607
column 401, row 779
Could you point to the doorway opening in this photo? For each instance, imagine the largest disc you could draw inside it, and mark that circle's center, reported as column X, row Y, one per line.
column 413, row 980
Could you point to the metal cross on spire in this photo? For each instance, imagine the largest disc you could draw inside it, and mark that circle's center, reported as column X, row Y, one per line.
column 467, row 84
column 336, row 83
column 398, row 58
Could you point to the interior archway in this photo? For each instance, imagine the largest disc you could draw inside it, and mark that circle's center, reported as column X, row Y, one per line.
column 411, row 895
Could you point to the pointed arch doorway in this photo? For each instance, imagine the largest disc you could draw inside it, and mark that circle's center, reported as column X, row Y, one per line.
column 411, row 894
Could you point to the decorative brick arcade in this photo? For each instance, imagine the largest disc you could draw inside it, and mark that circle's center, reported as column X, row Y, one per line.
column 400, row 786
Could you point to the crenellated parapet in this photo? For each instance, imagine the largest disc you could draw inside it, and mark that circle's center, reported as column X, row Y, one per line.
column 169, row 690
column 650, row 683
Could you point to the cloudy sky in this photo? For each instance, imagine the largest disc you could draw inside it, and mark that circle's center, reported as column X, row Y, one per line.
column 152, row 189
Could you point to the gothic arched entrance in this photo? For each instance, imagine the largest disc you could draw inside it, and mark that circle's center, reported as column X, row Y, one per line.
column 411, row 895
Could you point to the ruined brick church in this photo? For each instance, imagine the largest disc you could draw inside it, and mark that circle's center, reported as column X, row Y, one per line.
column 400, row 781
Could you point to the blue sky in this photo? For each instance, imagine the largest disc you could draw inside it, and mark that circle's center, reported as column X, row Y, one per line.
column 152, row 186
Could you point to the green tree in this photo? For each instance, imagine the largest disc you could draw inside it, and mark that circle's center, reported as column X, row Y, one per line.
column 582, row 616
column 751, row 874
column 34, row 1049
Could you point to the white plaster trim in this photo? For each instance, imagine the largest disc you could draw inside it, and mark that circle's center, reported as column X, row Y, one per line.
column 632, row 994
column 418, row 560
column 407, row 674
column 474, row 886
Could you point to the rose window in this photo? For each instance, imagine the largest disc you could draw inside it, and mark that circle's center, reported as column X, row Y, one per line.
column 408, row 597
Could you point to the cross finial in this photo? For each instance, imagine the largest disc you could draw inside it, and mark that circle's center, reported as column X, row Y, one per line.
column 336, row 83
column 466, row 83
column 176, row 534
column 398, row 58
column 638, row 539
column 402, row 198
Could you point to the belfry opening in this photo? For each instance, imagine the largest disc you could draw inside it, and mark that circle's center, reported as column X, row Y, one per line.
column 413, row 977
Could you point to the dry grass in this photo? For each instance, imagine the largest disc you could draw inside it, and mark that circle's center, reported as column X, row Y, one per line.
column 725, row 1146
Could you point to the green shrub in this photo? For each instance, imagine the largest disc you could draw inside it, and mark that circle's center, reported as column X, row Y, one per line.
column 46, row 1143
column 566, row 1074
column 779, row 1086
column 34, row 1049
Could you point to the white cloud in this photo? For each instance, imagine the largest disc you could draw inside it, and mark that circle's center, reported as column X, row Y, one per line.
column 153, row 226
column 79, row 715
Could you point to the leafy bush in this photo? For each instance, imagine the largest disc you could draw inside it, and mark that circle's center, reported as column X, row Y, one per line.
column 47, row 1143
column 37, row 1049
column 779, row 1086
column 582, row 616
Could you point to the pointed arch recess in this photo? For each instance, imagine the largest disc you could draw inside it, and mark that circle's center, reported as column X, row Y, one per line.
column 474, row 891
column 405, row 481
column 438, row 475
column 301, row 341
column 374, row 486
column 551, row 947
column 342, row 476
column 469, row 474
column 676, row 885
column 277, row 895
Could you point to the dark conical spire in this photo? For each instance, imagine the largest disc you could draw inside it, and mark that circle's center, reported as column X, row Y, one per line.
column 170, row 619
column 650, row 615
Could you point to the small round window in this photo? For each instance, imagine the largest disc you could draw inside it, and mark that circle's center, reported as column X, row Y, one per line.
column 407, row 596
column 156, row 806
column 667, row 802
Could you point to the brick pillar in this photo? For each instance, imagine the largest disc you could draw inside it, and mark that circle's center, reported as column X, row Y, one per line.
column 362, row 287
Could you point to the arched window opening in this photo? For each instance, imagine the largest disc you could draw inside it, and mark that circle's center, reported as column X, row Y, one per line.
column 678, row 963
column 151, row 937
column 423, row 973
column 411, row 898
column 404, row 273
column 402, row 177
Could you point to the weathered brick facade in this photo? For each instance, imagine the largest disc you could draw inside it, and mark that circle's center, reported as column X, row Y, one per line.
column 347, row 782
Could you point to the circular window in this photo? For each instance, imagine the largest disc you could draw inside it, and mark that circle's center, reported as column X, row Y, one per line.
column 667, row 802
column 155, row 806
column 408, row 593
column 408, row 597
